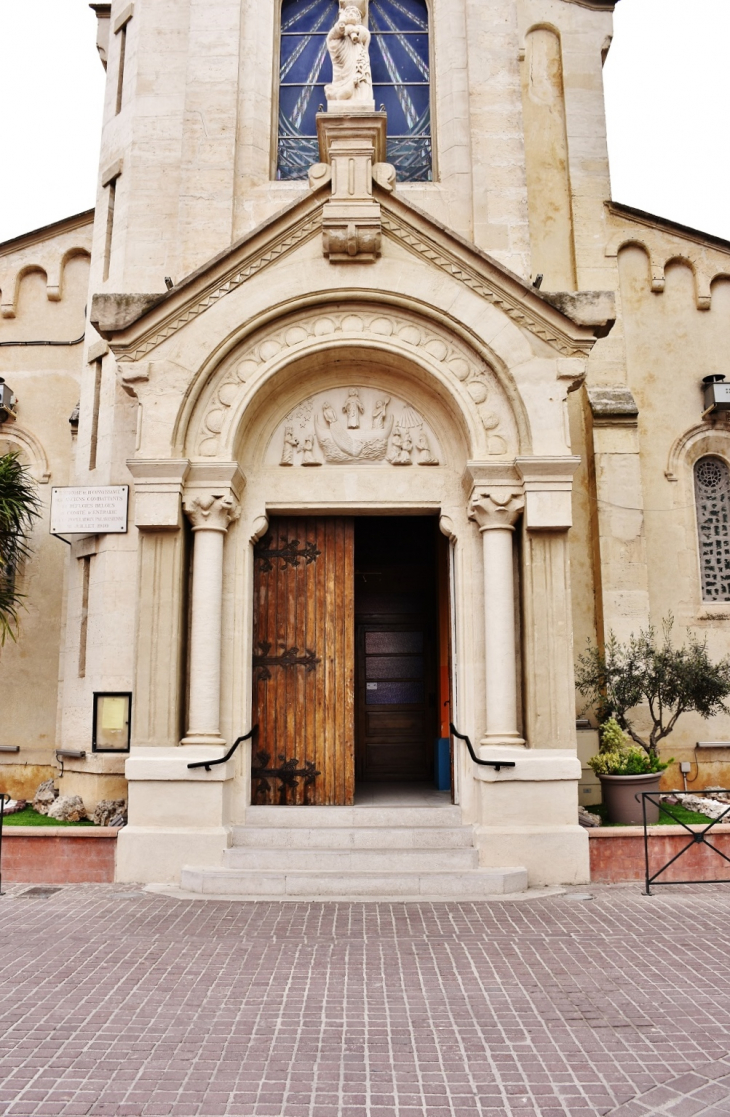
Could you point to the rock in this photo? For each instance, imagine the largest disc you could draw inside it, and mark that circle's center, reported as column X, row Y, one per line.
column 44, row 797
column 585, row 818
column 109, row 809
column 15, row 806
column 671, row 800
column 712, row 808
column 68, row 808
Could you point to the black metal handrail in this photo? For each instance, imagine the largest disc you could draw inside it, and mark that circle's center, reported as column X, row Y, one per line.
column 4, row 798
column 208, row 764
column 496, row 764
column 696, row 837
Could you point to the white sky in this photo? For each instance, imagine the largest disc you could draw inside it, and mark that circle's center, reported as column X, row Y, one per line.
column 665, row 90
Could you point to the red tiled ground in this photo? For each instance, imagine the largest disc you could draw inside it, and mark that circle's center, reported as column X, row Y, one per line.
column 118, row 1002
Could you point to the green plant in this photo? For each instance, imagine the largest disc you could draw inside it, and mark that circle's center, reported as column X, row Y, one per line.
column 19, row 507
column 649, row 670
column 619, row 757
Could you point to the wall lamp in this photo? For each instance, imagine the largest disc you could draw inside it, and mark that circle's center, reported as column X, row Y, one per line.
column 716, row 393
column 8, row 402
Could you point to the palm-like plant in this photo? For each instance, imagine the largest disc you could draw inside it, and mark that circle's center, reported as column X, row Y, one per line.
column 19, row 507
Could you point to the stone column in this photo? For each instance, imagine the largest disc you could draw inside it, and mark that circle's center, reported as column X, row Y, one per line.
column 210, row 514
column 496, row 513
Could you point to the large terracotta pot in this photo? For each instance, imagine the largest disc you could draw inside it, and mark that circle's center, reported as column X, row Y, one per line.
column 622, row 798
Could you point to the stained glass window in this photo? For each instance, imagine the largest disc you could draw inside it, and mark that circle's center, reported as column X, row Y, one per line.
column 712, row 496
column 400, row 62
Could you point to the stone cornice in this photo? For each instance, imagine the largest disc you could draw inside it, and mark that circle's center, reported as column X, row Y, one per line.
column 595, row 5
column 664, row 225
column 138, row 323
column 163, row 315
column 47, row 232
column 444, row 249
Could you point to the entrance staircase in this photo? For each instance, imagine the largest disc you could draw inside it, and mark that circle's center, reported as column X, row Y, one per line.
column 353, row 853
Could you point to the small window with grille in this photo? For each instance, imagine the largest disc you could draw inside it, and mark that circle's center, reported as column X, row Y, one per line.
column 712, row 498
column 401, row 69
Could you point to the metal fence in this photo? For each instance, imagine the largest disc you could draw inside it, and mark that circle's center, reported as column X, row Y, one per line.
column 696, row 837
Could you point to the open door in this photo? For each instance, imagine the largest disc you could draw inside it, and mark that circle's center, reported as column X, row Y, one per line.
column 304, row 662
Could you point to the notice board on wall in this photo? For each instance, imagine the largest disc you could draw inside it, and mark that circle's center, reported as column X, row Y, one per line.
column 92, row 510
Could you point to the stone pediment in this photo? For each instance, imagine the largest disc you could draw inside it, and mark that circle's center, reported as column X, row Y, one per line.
column 135, row 324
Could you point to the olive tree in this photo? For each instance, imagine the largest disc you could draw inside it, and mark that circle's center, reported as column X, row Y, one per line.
column 649, row 670
column 19, row 507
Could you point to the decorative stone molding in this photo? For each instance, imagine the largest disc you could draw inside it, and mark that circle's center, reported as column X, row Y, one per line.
column 113, row 313
column 456, row 267
column 447, row 528
column 548, row 487
column 158, row 487
column 212, row 495
column 16, row 436
column 712, row 436
column 497, row 510
column 400, row 330
column 96, row 352
column 613, row 407
column 259, row 528
column 352, row 144
column 211, row 512
column 666, row 242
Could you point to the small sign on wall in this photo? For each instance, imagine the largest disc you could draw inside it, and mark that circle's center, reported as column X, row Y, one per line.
column 97, row 510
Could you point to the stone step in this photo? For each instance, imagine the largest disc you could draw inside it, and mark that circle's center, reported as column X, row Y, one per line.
column 359, row 837
column 346, row 817
column 316, row 884
column 352, row 860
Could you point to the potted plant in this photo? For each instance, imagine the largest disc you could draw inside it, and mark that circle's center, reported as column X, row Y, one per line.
column 625, row 770
column 646, row 671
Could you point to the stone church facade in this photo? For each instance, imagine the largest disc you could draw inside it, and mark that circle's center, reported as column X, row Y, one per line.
column 409, row 411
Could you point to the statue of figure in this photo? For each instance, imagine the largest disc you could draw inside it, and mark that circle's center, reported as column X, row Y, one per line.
column 353, row 409
column 290, row 444
column 423, row 448
column 348, row 43
column 379, row 410
column 402, row 447
column 328, row 412
column 308, row 457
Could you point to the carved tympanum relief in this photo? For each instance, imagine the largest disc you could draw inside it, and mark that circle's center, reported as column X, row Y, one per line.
column 350, row 425
column 396, row 330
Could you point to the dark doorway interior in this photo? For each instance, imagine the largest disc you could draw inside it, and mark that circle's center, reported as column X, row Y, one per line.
column 396, row 648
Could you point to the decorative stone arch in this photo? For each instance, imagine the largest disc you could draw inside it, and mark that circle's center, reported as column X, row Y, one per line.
column 21, row 439
column 712, row 437
column 473, row 380
column 708, row 439
column 660, row 259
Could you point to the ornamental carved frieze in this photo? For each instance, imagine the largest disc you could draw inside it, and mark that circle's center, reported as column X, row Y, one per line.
column 397, row 330
column 354, row 425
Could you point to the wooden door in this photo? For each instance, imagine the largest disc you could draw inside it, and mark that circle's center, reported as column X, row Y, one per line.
column 395, row 701
column 304, row 662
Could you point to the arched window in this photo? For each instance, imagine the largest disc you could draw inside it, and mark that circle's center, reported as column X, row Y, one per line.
column 400, row 63
column 712, row 497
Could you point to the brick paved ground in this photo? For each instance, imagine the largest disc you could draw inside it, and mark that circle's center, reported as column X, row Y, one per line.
column 117, row 1002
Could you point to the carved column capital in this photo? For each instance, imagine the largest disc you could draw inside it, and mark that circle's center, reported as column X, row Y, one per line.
column 211, row 511
column 497, row 510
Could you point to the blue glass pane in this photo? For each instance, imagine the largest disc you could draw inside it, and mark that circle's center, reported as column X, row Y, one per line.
column 400, row 60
